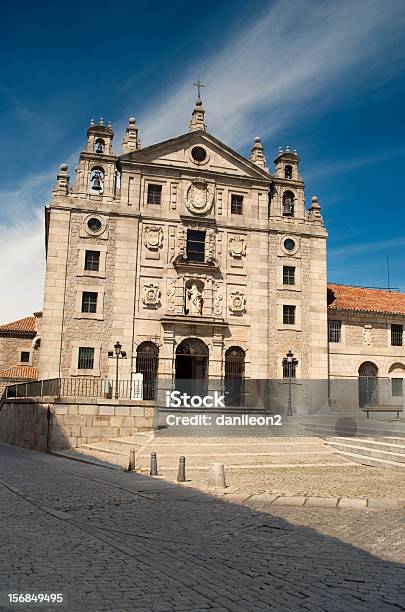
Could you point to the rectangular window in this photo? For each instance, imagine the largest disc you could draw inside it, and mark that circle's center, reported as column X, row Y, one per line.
column 195, row 246
column 288, row 315
column 334, row 331
column 89, row 301
column 236, row 204
column 288, row 275
column 154, row 194
column 92, row 261
column 86, row 358
column 25, row 357
column 397, row 387
column 397, row 333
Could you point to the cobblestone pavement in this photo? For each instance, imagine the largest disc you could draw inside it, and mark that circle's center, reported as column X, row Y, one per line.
column 115, row 541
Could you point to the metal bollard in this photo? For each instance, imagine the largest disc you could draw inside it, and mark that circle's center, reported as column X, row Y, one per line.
column 181, row 474
column 131, row 465
column 153, row 465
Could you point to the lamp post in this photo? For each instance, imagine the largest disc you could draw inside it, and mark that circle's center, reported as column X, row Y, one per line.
column 290, row 363
column 118, row 353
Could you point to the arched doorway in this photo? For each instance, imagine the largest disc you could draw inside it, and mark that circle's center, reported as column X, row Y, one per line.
column 234, row 375
column 192, row 366
column 147, row 357
column 368, row 384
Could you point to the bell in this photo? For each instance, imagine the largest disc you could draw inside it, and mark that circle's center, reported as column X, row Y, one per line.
column 96, row 186
column 99, row 148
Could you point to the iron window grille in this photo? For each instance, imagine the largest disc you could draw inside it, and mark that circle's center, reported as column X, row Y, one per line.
column 89, row 301
column 397, row 333
column 289, row 370
column 154, row 194
column 86, row 358
column 288, row 315
column 334, row 331
column 397, row 387
column 196, row 246
column 92, row 261
column 288, row 275
column 25, row 357
column 236, row 204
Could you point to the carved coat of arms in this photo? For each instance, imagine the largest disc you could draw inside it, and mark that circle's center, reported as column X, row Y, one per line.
column 237, row 246
column 153, row 237
column 199, row 196
column 237, row 302
column 151, row 295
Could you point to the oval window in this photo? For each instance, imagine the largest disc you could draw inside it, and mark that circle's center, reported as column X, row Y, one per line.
column 198, row 154
column 94, row 224
column 289, row 244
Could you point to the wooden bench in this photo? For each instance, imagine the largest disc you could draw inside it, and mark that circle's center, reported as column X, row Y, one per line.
column 379, row 408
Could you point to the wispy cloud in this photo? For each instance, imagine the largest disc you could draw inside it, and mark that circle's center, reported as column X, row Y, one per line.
column 367, row 247
column 22, row 263
column 339, row 167
column 295, row 59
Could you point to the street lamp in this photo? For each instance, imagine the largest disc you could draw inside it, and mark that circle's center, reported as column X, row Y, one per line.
column 290, row 363
column 118, row 353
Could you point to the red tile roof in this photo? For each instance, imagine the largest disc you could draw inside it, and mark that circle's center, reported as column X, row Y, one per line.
column 366, row 300
column 20, row 371
column 22, row 326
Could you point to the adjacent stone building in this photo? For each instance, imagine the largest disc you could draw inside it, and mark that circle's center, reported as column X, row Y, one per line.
column 19, row 344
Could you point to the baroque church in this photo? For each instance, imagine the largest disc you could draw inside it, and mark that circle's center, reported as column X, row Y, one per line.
column 202, row 264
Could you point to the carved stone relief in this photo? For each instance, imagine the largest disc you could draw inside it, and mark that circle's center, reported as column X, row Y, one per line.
column 151, row 295
column 368, row 334
column 171, row 295
column 217, row 298
column 194, row 298
column 237, row 246
column 199, row 196
column 237, row 302
column 153, row 237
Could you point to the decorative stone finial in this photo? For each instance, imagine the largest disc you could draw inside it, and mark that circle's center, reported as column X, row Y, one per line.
column 314, row 212
column 280, row 150
column 287, row 149
column 101, row 122
column 198, row 117
column 131, row 141
column 110, row 125
column 257, row 156
column 91, row 122
column 62, row 181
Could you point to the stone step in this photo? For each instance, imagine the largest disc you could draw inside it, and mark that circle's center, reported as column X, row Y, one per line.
column 379, row 444
column 325, row 430
column 369, row 452
column 373, row 461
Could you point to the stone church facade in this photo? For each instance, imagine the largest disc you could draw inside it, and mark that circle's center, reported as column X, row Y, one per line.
column 186, row 251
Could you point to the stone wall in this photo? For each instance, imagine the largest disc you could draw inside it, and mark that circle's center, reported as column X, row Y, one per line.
column 24, row 422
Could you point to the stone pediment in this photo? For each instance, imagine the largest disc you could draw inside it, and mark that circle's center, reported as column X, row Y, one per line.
column 197, row 151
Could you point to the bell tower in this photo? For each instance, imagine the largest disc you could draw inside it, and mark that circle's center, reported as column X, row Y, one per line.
column 96, row 174
column 288, row 186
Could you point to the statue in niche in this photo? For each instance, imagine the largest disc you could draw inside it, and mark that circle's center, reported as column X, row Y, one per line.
column 194, row 300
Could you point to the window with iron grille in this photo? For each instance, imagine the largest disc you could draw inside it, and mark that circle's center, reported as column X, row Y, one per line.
column 334, row 331
column 288, row 314
column 397, row 333
column 236, row 204
column 25, row 357
column 92, row 261
column 289, row 370
column 86, row 358
column 154, row 194
column 288, row 275
column 89, row 301
column 195, row 246
column 397, row 387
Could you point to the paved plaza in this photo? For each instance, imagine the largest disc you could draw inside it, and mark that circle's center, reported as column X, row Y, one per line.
column 110, row 540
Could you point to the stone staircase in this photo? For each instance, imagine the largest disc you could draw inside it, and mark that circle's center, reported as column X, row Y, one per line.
column 377, row 451
column 352, row 424
column 111, row 453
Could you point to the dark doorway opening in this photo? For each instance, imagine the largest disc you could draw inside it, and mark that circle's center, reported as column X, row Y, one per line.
column 192, row 367
column 368, row 384
column 234, row 376
column 147, row 356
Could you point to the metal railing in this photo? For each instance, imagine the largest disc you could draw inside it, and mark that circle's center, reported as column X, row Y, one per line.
column 72, row 387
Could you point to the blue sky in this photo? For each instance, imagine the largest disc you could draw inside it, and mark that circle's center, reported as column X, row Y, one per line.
column 324, row 77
